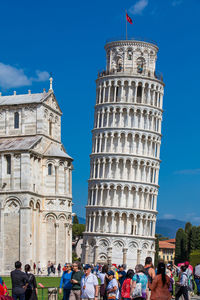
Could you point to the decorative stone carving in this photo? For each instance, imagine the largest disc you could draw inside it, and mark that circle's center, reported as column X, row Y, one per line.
column 12, row 206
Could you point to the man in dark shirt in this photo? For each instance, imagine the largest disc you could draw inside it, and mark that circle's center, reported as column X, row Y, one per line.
column 19, row 282
column 76, row 282
column 122, row 276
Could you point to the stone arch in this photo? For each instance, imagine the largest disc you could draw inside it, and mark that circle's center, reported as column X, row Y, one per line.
column 102, row 258
column 141, row 64
column 11, row 199
column 145, row 246
column 31, row 203
column 38, row 204
column 118, row 246
column 50, row 217
column 118, row 243
column 133, row 245
column 62, row 217
column 104, row 243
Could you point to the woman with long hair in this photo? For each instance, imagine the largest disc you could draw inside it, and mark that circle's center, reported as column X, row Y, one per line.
column 160, row 285
column 102, row 276
column 126, row 286
column 31, row 291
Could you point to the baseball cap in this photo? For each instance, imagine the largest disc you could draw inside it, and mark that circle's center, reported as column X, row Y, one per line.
column 111, row 273
column 87, row 266
column 168, row 265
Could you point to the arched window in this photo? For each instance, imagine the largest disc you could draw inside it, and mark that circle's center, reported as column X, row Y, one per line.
column 119, row 65
column 140, row 65
column 130, row 54
column 139, row 94
column 16, row 120
column 49, row 169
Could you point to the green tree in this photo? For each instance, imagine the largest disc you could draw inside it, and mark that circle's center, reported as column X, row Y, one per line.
column 75, row 220
column 77, row 231
column 77, row 234
column 161, row 237
column 181, row 250
column 198, row 237
column 195, row 257
column 195, row 238
column 188, row 231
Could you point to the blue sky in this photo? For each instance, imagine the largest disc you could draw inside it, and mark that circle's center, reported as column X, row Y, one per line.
column 67, row 38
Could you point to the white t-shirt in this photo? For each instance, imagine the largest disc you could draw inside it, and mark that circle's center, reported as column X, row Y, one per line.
column 101, row 276
column 111, row 285
column 197, row 270
column 89, row 282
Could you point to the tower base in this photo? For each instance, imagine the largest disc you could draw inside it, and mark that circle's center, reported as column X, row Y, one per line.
column 116, row 249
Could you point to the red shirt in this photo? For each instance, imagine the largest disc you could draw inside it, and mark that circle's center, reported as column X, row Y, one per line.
column 126, row 288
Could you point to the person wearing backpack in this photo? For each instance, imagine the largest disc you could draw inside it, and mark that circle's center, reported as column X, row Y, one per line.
column 139, row 288
column 126, row 286
column 31, row 291
column 150, row 272
column 183, row 283
column 190, row 279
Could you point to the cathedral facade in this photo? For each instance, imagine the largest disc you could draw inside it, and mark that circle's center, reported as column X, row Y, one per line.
column 35, row 182
column 125, row 159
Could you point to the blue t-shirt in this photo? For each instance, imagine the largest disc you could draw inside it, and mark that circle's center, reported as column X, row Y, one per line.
column 143, row 280
column 121, row 279
column 65, row 280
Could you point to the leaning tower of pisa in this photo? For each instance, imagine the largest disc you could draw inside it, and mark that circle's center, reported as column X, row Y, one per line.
column 125, row 159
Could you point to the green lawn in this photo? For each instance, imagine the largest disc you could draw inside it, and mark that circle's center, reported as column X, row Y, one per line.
column 45, row 281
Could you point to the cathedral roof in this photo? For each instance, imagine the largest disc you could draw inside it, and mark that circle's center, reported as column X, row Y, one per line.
column 18, row 143
column 56, row 151
column 23, row 99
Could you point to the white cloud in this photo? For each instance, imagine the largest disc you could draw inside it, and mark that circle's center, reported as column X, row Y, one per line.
column 11, row 77
column 41, row 76
column 196, row 219
column 188, row 172
column 168, row 216
column 176, row 2
column 192, row 218
column 138, row 7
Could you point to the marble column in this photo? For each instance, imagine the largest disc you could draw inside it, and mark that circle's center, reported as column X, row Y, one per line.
column 86, row 253
column 95, row 254
column 109, row 254
column 138, row 256
column 66, row 242
column 57, row 243
column 125, row 255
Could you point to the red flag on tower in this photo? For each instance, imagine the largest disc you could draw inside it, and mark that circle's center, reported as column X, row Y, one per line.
column 129, row 19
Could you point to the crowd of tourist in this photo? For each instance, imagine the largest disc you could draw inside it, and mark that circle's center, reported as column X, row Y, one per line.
column 112, row 282
column 144, row 282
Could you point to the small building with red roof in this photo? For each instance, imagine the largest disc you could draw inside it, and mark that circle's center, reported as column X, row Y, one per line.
column 167, row 250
